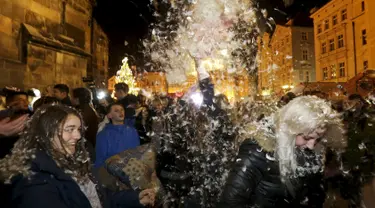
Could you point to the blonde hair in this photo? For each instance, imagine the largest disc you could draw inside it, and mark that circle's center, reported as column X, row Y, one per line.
column 302, row 116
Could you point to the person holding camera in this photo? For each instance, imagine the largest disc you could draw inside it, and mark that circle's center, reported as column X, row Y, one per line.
column 13, row 119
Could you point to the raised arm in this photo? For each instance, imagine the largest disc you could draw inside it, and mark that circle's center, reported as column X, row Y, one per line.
column 205, row 84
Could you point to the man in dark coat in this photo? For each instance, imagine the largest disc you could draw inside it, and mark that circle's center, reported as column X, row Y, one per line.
column 61, row 92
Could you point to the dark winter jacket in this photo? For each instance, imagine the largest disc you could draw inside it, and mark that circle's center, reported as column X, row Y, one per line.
column 360, row 153
column 255, row 181
column 51, row 187
column 91, row 120
column 129, row 102
column 66, row 101
column 114, row 139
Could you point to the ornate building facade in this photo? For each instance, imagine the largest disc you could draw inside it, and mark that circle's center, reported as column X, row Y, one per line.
column 43, row 42
column 344, row 39
column 286, row 57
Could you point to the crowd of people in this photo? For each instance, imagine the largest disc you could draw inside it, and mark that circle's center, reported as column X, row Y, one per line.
column 292, row 153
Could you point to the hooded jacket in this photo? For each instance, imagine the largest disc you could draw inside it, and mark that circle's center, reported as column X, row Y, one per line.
column 114, row 139
column 49, row 186
column 255, row 180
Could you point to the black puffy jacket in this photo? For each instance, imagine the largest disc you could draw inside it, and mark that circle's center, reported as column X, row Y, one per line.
column 255, row 181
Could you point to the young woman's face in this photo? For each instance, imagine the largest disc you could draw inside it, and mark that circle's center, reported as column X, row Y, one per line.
column 71, row 134
column 311, row 139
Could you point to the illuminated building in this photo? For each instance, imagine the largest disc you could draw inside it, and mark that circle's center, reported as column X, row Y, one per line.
column 344, row 39
column 154, row 82
column 286, row 57
column 44, row 42
column 235, row 85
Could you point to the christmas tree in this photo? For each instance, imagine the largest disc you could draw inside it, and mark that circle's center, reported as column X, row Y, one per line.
column 125, row 75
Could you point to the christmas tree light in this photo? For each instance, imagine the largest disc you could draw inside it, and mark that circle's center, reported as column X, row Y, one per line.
column 125, row 75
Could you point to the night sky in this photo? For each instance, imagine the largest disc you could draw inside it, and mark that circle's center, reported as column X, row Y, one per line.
column 124, row 20
column 130, row 21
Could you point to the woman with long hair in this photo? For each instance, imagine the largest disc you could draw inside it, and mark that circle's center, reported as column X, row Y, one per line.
column 281, row 163
column 50, row 167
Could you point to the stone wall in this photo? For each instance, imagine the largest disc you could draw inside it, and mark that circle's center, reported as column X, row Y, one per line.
column 100, row 58
column 56, row 24
column 45, row 67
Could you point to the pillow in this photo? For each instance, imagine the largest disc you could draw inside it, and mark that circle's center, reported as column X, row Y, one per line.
column 135, row 167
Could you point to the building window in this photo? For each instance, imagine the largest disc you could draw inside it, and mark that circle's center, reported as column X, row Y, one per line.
column 333, row 71
column 340, row 41
column 342, row 69
column 334, row 20
column 307, row 76
column 365, row 65
column 324, row 48
column 305, row 55
column 319, row 28
column 363, row 6
column 326, row 24
column 344, row 15
column 331, row 45
column 301, row 75
column 364, row 37
column 325, row 73
column 304, row 36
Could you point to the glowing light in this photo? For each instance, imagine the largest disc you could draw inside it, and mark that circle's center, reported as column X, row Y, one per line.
column 197, row 98
column 37, row 96
column 266, row 93
column 36, row 92
column 125, row 75
column 101, row 95
column 285, row 87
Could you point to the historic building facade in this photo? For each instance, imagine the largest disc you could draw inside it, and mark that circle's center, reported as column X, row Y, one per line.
column 153, row 82
column 344, row 39
column 235, row 86
column 44, row 42
column 286, row 57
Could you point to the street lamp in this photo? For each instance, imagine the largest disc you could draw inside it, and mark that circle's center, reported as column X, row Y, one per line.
column 287, row 87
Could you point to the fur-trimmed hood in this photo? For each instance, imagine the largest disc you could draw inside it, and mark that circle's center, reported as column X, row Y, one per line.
column 262, row 132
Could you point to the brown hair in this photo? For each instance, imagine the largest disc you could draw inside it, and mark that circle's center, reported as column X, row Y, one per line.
column 46, row 124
